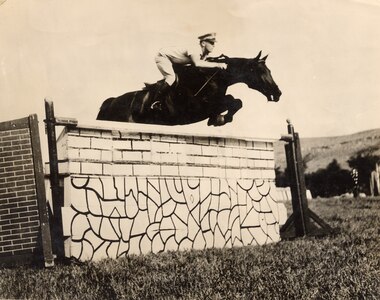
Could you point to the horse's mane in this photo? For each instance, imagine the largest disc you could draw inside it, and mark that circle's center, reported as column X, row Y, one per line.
column 236, row 60
column 232, row 62
column 221, row 58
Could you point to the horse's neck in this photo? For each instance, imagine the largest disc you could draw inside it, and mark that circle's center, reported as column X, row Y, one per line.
column 222, row 78
column 234, row 73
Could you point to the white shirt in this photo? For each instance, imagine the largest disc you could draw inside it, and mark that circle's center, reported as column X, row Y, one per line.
column 181, row 55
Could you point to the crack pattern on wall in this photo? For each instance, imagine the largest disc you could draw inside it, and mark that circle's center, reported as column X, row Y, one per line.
column 115, row 216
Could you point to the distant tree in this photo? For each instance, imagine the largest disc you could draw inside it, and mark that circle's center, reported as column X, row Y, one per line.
column 328, row 182
column 282, row 178
column 364, row 161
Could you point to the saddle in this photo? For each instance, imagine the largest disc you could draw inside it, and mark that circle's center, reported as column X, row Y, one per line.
column 153, row 86
column 155, row 101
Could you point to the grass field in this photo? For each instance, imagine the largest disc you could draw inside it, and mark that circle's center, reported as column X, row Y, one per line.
column 344, row 266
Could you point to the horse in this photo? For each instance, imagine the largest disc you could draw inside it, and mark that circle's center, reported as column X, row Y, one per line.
column 198, row 94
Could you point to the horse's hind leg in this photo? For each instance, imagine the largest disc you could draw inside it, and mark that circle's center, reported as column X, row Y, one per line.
column 102, row 114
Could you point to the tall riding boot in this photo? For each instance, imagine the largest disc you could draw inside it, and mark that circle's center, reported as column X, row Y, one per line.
column 160, row 96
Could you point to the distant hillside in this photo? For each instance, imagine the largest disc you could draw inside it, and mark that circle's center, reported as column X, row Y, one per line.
column 323, row 150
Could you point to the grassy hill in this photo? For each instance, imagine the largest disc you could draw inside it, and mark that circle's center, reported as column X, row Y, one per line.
column 323, row 150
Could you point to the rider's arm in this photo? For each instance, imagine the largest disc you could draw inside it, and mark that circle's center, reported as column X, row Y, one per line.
column 206, row 64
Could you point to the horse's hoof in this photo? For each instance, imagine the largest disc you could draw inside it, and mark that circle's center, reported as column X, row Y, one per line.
column 220, row 121
column 211, row 121
column 228, row 119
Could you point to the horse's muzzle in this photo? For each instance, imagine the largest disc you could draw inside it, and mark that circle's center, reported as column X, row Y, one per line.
column 274, row 97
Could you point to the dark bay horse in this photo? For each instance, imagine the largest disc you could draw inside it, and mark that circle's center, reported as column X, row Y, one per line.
column 198, row 94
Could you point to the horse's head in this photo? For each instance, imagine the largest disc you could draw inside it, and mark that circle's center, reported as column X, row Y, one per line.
column 257, row 76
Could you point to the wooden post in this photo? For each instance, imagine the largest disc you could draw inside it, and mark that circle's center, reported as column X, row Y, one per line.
column 299, row 223
column 298, row 188
column 40, row 191
column 56, row 190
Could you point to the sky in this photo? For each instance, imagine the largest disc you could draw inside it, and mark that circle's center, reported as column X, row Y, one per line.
column 324, row 55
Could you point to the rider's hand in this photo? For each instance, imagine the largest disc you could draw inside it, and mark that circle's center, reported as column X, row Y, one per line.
column 222, row 66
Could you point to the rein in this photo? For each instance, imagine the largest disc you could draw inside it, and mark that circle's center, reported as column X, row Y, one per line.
column 208, row 80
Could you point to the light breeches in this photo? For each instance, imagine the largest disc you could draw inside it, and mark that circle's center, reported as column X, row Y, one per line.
column 166, row 68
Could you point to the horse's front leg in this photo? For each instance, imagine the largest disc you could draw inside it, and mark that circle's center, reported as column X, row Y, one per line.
column 233, row 105
column 228, row 103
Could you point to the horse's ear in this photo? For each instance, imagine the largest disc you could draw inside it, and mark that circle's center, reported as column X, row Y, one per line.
column 258, row 56
column 264, row 58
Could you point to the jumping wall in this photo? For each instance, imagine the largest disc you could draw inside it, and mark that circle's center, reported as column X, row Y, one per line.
column 134, row 191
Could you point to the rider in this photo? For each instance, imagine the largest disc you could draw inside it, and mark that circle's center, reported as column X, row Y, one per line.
column 183, row 56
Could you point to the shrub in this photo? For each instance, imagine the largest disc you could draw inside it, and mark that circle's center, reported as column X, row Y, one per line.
column 328, row 182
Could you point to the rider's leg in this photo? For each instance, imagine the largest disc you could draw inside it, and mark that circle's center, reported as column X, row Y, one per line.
column 165, row 66
column 163, row 90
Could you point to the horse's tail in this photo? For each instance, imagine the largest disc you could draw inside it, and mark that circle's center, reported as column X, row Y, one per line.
column 102, row 115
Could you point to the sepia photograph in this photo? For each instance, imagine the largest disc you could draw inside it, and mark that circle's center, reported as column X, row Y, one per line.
column 222, row 149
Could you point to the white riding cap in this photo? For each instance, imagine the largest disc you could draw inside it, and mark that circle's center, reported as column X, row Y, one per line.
column 208, row 37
